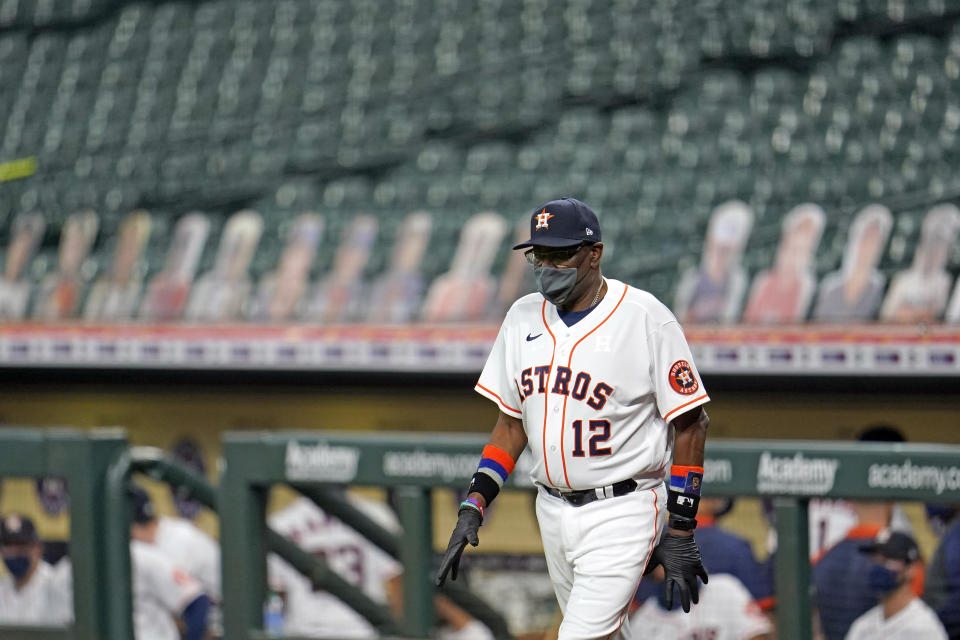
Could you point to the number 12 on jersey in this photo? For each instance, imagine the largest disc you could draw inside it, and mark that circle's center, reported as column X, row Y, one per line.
column 601, row 433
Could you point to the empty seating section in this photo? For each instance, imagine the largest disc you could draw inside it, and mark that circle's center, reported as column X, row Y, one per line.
column 653, row 112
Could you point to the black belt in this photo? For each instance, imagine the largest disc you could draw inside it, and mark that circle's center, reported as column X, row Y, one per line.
column 586, row 496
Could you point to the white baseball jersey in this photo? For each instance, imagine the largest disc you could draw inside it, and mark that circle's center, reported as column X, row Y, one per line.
column 161, row 591
column 725, row 612
column 47, row 599
column 595, row 398
column 319, row 614
column 915, row 621
column 193, row 550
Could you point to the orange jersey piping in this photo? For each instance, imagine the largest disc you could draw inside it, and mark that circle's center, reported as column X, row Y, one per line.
column 563, row 453
column 546, row 394
column 499, row 400
column 666, row 418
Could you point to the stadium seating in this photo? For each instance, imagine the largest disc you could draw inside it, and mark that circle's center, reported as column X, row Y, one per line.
column 653, row 115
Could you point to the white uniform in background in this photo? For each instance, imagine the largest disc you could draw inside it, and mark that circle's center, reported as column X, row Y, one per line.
column 596, row 400
column 199, row 555
column 47, row 599
column 725, row 612
column 161, row 591
column 192, row 549
column 318, row 614
column 917, row 621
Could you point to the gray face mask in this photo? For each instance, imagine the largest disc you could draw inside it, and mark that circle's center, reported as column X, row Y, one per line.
column 556, row 285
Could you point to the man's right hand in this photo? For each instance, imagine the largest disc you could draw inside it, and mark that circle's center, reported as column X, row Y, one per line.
column 468, row 522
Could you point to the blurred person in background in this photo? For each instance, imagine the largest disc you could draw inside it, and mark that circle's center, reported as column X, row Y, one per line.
column 516, row 280
column 318, row 614
column 841, row 578
column 464, row 292
column 184, row 543
column 396, row 295
column 854, row 293
column 167, row 292
column 726, row 611
column 32, row 592
column 919, row 293
column 222, row 293
column 830, row 520
column 164, row 594
column 782, row 294
column 953, row 311
column 338, row 297
column 942, row 591
column 894, row 560
column 713, row 292
column 280, row 291
column 114, row 296
column 58, row 296
column 25, row 236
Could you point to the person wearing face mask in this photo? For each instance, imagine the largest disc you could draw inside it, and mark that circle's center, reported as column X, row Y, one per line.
column 597, row 378
column 900, row 614
column 32, row 592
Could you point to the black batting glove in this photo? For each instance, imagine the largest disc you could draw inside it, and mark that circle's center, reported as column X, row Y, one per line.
column 468, row 522
column 681, row 562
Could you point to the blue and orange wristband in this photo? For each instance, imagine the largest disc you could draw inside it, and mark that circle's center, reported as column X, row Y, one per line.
column 683, row 495
column 494, row 469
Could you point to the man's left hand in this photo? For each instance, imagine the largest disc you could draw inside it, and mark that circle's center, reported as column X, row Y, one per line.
column 680, row 557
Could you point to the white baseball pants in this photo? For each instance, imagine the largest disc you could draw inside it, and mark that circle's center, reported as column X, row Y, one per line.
column 596, row 555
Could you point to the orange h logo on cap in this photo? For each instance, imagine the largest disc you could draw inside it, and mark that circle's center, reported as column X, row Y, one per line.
column 542, row 218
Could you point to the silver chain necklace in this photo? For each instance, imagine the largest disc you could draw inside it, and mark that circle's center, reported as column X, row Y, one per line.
column 596, row 298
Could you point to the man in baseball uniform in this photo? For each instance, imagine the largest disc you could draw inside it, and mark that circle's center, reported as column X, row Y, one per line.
column 313, row 613
column 163, row 591
column 597, row 379
column 185, row 544
column 900, row 614
column 32, row 592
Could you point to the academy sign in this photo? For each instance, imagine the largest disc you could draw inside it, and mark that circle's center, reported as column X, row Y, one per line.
column 795, row 474
column 321, row 462
column 918, row 477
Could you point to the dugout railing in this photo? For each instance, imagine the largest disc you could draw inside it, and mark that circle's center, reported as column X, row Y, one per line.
column 96, row 466
column 82, row 459
column 156, row 465
column 789, row 472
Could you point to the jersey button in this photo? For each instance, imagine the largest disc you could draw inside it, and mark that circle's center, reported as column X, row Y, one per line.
column 556, row 409
column 553, row 448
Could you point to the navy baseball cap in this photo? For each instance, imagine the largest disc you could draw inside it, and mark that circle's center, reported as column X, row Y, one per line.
column 142, row 505
column 562, row 223
column 895, row 545
column 17, row 529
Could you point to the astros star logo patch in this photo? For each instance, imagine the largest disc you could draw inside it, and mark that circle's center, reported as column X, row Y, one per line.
column 682, row 379
column 542, row 219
